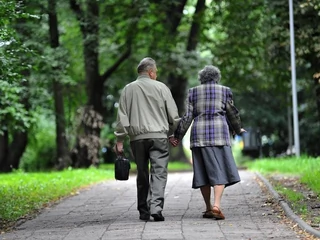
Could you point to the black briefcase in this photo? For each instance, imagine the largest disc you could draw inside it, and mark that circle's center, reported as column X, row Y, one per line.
column 121, row 167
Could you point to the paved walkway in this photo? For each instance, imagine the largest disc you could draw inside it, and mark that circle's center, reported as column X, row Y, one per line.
column 107, row 211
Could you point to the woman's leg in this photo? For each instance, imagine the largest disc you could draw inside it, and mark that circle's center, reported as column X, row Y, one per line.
column 206, row 194
column 218, row 191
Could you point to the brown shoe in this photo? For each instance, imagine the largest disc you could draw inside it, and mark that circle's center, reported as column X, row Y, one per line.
column 217, row 214
column 208, row 214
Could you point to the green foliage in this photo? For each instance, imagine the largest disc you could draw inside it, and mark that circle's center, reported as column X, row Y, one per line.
column 241, row 52
column 32, row 191
column 13, row 113
column 41, row 150
column 253, row 56
column 306, row 30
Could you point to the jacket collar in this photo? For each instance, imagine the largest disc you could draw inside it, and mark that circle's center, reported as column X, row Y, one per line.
column 144, row 77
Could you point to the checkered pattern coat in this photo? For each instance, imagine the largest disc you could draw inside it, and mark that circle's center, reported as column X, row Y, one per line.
column 210, row 107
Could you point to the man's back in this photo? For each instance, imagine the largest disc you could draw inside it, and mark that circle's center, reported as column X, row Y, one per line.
column 149, row 107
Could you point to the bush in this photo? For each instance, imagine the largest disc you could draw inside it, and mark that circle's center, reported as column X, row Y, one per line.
column 41, row 151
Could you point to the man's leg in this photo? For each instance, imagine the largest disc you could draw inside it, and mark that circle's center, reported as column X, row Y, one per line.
column 159, row 157
column 141, row 156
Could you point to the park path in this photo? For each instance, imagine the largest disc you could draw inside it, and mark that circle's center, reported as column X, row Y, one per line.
column 107, row 211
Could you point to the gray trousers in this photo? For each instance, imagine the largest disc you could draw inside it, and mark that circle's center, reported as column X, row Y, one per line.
column 151, row 190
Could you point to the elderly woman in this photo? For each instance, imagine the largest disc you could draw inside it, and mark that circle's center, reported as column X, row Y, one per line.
column 210, row 107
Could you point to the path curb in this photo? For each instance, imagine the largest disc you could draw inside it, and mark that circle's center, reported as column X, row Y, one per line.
column 288, row 211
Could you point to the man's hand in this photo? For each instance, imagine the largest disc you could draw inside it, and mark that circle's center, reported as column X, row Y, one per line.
column 118, row 148
column 174, row 141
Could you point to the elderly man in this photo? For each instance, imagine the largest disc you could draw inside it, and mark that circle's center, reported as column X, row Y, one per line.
column 148, row 115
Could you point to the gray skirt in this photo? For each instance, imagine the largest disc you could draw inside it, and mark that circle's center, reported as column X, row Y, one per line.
column 214, row 166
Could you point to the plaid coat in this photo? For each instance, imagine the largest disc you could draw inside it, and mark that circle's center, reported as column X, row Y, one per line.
column 210, row 107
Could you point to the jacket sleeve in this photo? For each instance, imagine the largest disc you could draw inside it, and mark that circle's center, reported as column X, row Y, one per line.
column 186, row 119
column 172, row 112
column 233, row 115
column 122, row 119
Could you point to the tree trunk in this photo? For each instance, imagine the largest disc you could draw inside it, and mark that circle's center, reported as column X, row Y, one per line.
column 19, row 141
column 63, row 157
column 316, row 78
column 11, row 153
column 4, row 149
column 16, row 150
column 87, row 147
column 86, row 150
column 179, row 83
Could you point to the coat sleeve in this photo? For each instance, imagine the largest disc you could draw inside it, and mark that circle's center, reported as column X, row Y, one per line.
column 122, row 119
column 233, row 115
column 186, row 119
column 172, row 112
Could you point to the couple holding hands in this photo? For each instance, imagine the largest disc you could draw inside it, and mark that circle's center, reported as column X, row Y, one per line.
column 148, row 114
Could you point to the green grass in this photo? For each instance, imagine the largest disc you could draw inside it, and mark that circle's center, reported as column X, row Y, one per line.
column 172, row 166
column 291, row 195
column 179, row 166
column 308, row 169
column 294, row 198
column 24, row 193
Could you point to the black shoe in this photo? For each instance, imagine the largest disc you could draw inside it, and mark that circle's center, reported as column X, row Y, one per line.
column 144, row 217
column 158, row 217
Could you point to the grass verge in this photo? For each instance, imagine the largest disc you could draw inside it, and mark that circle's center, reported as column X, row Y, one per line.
column 297, row 180
column 23, row 193
column 308, row 169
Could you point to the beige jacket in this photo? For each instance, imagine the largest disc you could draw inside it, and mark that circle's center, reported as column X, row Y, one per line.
column 146, row 110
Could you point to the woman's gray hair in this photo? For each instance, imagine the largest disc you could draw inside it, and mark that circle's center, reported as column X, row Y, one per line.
column 146, row 64
column 209, row 74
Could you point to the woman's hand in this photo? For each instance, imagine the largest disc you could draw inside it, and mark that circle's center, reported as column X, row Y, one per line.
column 174, row 141
column 243, row 130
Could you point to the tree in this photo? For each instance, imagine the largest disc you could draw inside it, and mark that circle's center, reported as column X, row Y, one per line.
column 87, row 145
column 63, row 157
column 14, row 103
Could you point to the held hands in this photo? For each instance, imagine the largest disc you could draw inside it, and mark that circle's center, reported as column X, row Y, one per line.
column 174, row 141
